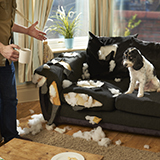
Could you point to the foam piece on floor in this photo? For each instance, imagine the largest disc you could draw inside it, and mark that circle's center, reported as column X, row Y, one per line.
column 118, row 143
column 96, row 134
column 50, row 127
column 104, row 142
column 62, row 130
column 146, row 146
column 31, row 111
column 35, row 125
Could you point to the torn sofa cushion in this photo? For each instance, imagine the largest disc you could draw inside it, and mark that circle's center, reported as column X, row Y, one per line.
column 101, row 94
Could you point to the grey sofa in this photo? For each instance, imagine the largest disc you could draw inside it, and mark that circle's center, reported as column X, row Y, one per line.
column 125, row 113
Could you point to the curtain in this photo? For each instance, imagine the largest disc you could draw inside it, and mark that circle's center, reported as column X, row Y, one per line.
column 101, row 17
column 33, row 10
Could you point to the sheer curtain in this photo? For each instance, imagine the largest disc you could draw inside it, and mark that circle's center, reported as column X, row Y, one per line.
column 33, row 10
column 101, row 17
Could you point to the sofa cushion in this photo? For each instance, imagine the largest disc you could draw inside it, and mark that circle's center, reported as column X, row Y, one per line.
column 148, row 105
column 151, row 50
column 100, row 68
column 101, row 94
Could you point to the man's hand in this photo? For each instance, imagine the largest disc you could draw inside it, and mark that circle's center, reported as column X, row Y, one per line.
column 9, row 52
column 33, row 32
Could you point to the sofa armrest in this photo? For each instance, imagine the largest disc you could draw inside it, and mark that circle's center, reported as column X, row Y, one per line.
column 49, row 78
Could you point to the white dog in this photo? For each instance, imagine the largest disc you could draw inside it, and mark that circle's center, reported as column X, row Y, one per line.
column 141, row 71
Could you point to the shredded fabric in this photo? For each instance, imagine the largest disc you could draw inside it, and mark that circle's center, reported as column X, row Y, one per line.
column 90, row 83
column 75, row 99
column 93, row 119
column 115, row 92
column 66, row 83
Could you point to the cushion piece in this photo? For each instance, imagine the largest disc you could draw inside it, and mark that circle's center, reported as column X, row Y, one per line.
column 101, row 94
column 148, row 105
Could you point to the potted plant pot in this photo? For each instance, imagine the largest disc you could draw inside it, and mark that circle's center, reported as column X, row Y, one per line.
column 69, row 43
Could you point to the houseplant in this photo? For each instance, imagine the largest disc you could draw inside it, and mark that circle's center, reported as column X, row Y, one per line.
column 66, row 25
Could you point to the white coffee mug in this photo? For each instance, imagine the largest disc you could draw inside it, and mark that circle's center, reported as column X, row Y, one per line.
column 24, row 55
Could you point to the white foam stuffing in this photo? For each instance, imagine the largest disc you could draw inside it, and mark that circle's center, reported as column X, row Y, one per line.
column 31, row 111
column 96, row 134
column 50, row 127
column 46, row 66
column 115, row 92
column 117, row 79
column 54, row 61
column 118, row 143
column 62, row 130
column 35, row 125
column 146, row 146
column 90, row 83
column 112, row 65
column 52, row 93
column 38, row 79
column 90, row 119
column 88, row 101
column 85, row 72
column 106, row 50
column 104, row 142
column 66, row 83
column 70, row 54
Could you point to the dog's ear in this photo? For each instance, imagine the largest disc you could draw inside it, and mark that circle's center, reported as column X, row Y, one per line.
column 138, row 63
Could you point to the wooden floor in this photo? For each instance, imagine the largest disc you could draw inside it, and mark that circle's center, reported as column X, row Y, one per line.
column 129, row 140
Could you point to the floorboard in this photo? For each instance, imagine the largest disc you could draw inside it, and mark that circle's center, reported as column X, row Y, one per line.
column 127, row 139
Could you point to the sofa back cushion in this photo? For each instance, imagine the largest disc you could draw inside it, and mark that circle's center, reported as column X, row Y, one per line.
column 100, row 68
column 151, row 51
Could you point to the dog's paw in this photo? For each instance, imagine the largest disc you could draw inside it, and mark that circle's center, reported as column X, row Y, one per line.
column 158, row 90
column 140, row 95
column 128, row 92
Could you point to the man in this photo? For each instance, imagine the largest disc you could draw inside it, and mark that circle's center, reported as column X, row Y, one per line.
column 8, row 55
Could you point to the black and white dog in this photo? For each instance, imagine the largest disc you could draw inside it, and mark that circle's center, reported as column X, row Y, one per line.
column 142, row 72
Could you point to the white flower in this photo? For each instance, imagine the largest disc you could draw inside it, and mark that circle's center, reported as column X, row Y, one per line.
column 60, row 12
column 71, row 14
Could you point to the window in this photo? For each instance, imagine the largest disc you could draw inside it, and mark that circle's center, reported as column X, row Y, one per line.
column 78, row 6
column 142, row 15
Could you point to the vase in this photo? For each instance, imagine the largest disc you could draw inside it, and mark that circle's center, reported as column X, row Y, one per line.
column 69, row 43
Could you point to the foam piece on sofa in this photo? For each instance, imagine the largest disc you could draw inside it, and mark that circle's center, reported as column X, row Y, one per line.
column 101, row 94
column 148, row 105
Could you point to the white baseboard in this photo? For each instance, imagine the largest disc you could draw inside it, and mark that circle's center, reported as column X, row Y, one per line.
column 27, row 93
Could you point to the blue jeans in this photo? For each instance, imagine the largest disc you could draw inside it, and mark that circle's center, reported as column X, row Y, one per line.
column 8, row 102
